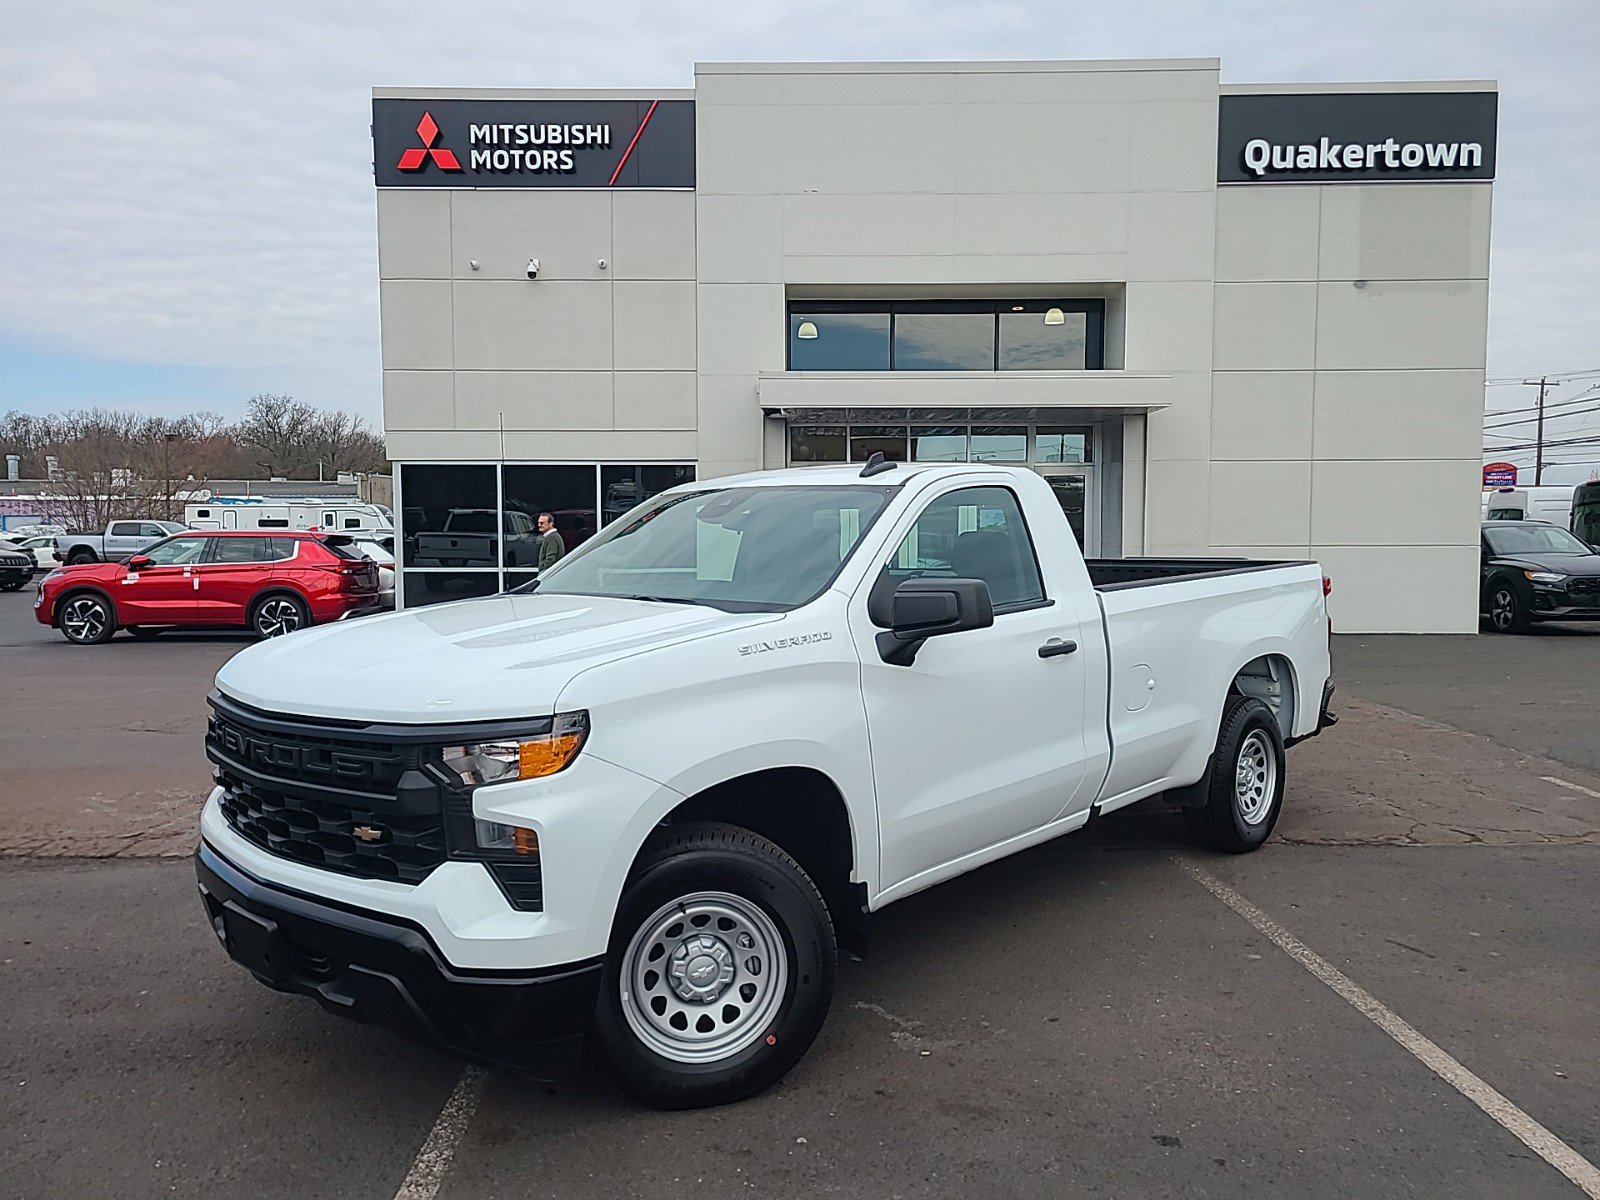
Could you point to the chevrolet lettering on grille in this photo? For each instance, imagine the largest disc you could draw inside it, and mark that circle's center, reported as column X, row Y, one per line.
column 264, row 753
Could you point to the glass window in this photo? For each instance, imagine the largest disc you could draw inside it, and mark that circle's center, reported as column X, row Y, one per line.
column 437, row 587
column 567, row 493
column 125, row 529
column 1043, row 338
column 816, row 444
column 973, row 533
column 178, row 552
column 622, row 488
column 867, row 440
column 944, row 341
column 272, row 523
column 838, row 341
column 440, row 503
column 1063, row 444
column 281, row 548
column 740, row 548
column 240, row 550
column 1533, row 539
column 939, row 443
column 999, row 443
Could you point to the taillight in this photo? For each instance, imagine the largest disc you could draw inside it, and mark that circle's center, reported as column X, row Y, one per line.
column 1327, row 585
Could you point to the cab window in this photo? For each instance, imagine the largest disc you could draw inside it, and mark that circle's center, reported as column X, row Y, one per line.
column 973, row 533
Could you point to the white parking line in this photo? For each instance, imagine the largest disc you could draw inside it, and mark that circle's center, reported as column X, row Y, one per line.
column 439, row 1150
column 1570, row 786
column 1519, row 1124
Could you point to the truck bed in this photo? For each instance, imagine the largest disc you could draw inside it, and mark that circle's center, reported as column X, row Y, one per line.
column 1109, row 574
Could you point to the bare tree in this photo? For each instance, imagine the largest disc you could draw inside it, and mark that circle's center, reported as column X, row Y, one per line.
column 112, row 465
column 277, row 429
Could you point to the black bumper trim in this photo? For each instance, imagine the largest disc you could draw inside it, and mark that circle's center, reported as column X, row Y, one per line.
column 386, row 971
column 1325, row 717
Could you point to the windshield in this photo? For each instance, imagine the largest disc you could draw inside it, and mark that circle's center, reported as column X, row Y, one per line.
column 760, row 549
column 1533, row 539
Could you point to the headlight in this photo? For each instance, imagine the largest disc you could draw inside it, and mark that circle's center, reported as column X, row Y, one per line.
column 1545, row 576
column 520, row 758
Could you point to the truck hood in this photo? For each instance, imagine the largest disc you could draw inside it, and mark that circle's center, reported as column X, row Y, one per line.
column 476, row 660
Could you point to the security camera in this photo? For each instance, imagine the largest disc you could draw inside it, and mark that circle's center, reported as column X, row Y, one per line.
column 533, row 268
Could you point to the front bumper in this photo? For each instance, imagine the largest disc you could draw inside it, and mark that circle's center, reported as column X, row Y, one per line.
column 1557, row 604
column 386, row 971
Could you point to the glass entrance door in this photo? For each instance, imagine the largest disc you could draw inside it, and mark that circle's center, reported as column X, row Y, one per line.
column 1074, row 492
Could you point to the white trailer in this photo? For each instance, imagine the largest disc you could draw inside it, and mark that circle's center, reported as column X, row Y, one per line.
column 251, row 512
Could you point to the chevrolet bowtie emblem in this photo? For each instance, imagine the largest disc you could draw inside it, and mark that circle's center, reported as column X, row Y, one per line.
column 367, row 833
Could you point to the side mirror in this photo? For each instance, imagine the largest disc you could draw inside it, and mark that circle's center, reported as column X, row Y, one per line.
column 925, row 608
column 138, row 562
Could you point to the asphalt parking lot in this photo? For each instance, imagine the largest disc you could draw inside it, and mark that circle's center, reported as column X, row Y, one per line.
column 1089, row 1018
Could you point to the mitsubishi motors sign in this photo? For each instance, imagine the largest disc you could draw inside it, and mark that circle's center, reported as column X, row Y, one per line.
column 456, row 143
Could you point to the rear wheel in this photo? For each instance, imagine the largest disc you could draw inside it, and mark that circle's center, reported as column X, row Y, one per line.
column 86, row 619
column 78, row 557
column 1245, row 792
column 278, row 614
column 1506, row 611
column 720, row 971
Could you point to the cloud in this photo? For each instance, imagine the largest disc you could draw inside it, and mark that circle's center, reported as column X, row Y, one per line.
column 189, row 183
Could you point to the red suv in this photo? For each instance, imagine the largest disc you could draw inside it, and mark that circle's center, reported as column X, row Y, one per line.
column 271, row 583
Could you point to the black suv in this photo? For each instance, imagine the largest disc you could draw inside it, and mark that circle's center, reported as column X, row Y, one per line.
column 1535, row 571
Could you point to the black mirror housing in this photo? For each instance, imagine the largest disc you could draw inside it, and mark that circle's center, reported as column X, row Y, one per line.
column 925, row 608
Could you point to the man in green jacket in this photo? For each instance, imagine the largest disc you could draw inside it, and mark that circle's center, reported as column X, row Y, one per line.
column 551, row 547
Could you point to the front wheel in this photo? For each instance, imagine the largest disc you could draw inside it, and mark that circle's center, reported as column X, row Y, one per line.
column 279, row 614
column 1245, row 792
column 14, row 585
column 720, row 971
column 86, row 619
column 1506, row 611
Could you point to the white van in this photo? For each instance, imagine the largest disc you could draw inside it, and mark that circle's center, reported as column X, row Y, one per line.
column 249, row 512
column 1551, row 503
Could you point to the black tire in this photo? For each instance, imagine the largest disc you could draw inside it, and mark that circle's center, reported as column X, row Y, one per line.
column 691, row 864
column 278, row 613
column 14, row 585
column 1507, row 611
column 86, row 618
column 145, row 633
column 78, row 557
column 1228, row 820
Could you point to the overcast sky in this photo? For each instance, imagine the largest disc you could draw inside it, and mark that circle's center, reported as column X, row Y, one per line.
column 187, row 197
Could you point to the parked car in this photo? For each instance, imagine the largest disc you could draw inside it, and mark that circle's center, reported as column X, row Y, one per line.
column 1535, row 571
column 273, row 584
column 1585, row 520
column 381, row 551
column 16, row 568
column 121, row 539
column 644, row 798
column 39, row 547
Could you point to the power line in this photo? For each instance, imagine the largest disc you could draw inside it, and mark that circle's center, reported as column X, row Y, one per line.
column 1576, row 412
column 1505, row 412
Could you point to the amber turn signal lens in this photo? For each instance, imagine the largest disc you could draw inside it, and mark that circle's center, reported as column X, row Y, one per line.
column 524, row 841
column 547, row 755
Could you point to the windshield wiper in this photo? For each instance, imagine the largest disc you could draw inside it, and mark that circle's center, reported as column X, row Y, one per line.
column 662, row 599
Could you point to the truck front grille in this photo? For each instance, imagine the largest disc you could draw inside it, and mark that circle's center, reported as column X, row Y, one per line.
column 328, row 794
column 334, row 836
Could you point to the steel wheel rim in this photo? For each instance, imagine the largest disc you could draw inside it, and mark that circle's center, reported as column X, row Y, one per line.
column 1502, row 608
column 1255, row 777
column 703, row 977
column 277, row 617
column 84, row 619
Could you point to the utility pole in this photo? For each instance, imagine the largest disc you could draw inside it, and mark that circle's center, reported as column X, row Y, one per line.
column 1538, row 438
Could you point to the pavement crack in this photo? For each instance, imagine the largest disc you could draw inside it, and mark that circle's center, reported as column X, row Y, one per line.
column 1410, row 947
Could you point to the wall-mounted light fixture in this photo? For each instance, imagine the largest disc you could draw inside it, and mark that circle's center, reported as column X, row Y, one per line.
column 807, row 331
column 1054, row 316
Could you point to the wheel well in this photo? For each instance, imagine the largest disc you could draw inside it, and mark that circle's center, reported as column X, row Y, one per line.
column 802, row 811
column 81, row 590
column 1269, row 679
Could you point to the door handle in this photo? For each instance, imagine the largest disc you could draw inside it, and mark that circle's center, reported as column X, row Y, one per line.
column 1055, row 647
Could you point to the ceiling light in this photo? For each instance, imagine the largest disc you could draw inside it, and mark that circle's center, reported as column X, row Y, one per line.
column 807, row 331
column 1016, row 308
column 1054, row 316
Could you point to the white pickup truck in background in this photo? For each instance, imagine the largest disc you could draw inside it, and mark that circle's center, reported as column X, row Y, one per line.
column 121, row 540
column 645, row 799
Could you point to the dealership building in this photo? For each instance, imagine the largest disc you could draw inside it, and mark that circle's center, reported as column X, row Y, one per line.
column 1234, row 320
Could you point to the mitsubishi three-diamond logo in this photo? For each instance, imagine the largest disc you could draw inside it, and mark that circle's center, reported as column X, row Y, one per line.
column 416, row 158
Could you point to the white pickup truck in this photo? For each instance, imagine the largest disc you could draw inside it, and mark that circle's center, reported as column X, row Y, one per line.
column 646, row 799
